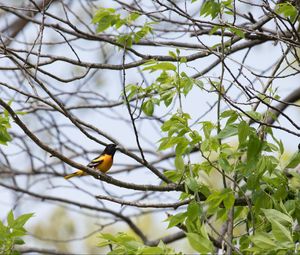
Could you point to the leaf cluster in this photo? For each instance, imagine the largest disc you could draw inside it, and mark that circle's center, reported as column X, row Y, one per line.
column 169, row 84
column 4, row 125
column 12, row 233
column 123, row 243
column 106, row 18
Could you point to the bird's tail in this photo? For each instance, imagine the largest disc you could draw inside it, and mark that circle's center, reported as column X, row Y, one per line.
column 77, row 173
column 70, row 175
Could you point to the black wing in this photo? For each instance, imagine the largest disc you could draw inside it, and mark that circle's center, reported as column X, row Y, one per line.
column 96, row 161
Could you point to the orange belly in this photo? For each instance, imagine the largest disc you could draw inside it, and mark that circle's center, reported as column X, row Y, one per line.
column 106, row 164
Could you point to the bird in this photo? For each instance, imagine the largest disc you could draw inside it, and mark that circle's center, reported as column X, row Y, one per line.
column 102, row 162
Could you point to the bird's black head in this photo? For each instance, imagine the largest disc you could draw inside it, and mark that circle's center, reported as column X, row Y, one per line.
column 110, row 149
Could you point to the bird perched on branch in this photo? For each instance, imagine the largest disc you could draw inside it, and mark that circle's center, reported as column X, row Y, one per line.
column 102, row 162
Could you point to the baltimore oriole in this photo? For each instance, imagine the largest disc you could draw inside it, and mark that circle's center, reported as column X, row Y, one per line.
column 102, row 162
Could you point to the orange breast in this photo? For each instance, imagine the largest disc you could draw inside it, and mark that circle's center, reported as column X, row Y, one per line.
column 106, row 164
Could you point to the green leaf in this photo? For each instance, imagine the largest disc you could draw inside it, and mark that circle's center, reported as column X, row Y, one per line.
column 172, row 54
column 146, row 29
column 289, row 206
column 228, row 131
column 21, row 113
column 275, row 215
column 105, row 23
column 148, row 107
column 134, row 15
column 4, row 125
column 243, row 131
column 192, row 184
column 4, row 136
column 281, row 147
column 254, row 115
column 280, row 232
column 214, row 200
column 19, row 241
column 224, row 164
column 186, row 83
column 210, row 7
column 237, row 32
column 254, row 148
column 244, row 242
column 253, row 181
column 199, row 243
column 181, row 146
column 167, row 97
column 294, row 161
column 214, row 29
column 173, row 175
column 207, row 128
column 263, row 241
column 194, row 211
column 281, row 192
column 10, row 218
column 18, row 232
column 261, row 200
column 183, row 60
column 125, row 243
column 108, row 237
column 164, row 66
column 195, row 136
column 151, row 250
column 203, row 189
column 132, row 90
column 14, row 252
column 20, row 221
column 176, row 219
column 167, row 142
column 179, row 163
column 228, row 113
column 106, row 17
column 228, row 201
column 2, row 228
column 125, row 40
column 287, row 10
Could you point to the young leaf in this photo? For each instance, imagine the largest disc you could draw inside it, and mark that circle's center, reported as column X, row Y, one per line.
column 211, row 8
column 176, row 219
column 19, row 241
column 181, row 146
column 275, row 215
column 280, row 232
column 199, row 243
column 150, row 251
column 263, row 241
column 287, row 10
column 179, row 163
column 4, row 125
column 229, row 200
column 254, row 148
column 237, row 32
column 10, row 218
column 194, row 210
column 20, row 221
column 294, row 161
column 148, row 107
column 243, row 131
column 228, row 131
column 192, row 184
column 164, row 66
